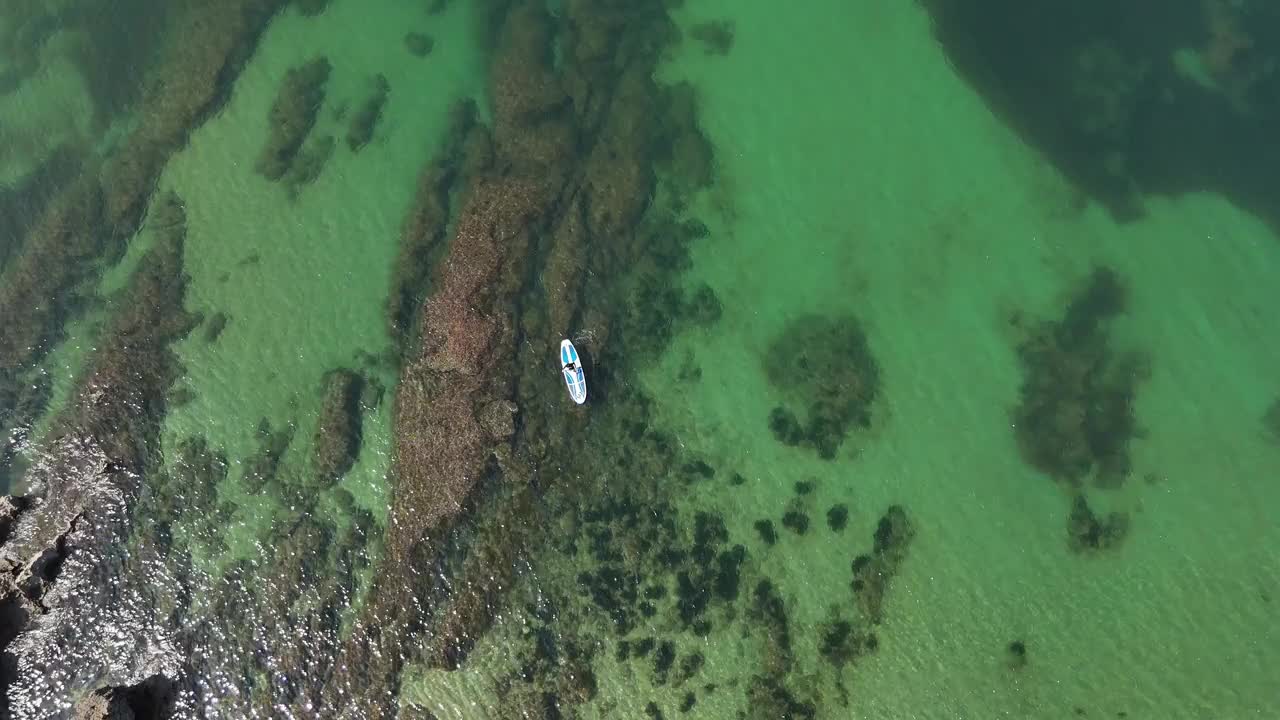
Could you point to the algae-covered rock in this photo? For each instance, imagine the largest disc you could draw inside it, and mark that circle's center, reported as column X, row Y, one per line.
column 338, row 433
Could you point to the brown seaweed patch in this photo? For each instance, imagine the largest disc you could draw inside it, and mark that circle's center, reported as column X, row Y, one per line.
column 824, row 366
column 292, row 116
column 1075, row 418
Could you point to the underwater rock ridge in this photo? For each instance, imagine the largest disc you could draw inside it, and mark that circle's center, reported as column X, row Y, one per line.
column 97, row 211
column 446, row 437
column 552, row 199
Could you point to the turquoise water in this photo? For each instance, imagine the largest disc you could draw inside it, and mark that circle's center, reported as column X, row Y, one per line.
column 930, row 353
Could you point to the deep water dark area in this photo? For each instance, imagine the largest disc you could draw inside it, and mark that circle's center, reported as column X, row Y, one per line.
column 1107, row 92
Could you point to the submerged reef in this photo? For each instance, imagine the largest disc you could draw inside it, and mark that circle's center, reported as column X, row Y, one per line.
column 1075, row 417
column 522, row 232
column 453, row 401
column 566, row 215
column 292, row 116
column 465, row 150
column 209, row 45
column 824, row 367
column 366, row 118
column 95, row 213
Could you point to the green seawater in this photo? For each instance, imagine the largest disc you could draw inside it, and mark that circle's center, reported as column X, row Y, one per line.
column 858, row 173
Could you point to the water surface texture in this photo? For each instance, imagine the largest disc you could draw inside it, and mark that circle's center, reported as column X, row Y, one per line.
column 931, row 352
